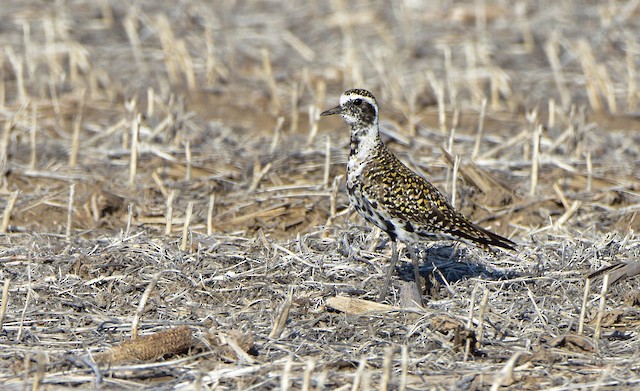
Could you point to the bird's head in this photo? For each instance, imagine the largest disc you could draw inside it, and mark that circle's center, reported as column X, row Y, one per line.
column 357, row 106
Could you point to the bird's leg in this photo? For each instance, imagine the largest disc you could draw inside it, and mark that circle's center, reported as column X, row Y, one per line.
column 392, row 267
column 416, row 268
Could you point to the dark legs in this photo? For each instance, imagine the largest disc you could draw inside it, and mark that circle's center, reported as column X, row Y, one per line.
column 392, row 267
column 416, row 268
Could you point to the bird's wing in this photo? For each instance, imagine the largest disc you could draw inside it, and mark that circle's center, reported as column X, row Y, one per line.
column 408, row 197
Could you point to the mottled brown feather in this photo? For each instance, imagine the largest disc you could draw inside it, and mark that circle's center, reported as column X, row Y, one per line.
column 389, row 194
column 406, row 196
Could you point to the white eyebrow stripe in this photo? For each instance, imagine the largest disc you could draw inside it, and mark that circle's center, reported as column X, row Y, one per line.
column 344, row 98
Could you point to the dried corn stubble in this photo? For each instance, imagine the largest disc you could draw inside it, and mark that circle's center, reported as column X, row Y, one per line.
column 148, row 347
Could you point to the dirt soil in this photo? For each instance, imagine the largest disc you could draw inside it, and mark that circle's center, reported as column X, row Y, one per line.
column 174, row 213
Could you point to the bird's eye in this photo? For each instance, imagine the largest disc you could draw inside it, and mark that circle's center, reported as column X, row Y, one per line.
column 357, row 102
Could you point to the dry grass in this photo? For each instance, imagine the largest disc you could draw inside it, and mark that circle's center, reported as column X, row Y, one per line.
column 173, row 212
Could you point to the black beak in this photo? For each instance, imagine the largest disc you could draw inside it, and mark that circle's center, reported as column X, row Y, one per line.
column 335, row 110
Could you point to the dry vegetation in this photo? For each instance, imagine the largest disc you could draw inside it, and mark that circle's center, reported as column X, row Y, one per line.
column 174, row 214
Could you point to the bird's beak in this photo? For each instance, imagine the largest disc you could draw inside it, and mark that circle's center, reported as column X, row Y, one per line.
column 335, row 110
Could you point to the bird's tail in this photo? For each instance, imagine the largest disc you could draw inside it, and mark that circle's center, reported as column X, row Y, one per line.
column 484, row 238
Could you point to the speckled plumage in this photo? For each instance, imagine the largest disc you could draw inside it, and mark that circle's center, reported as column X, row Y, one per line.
column 408, row 207
column 390, row 195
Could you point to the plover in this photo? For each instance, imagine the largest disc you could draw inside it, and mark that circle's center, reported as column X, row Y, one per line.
column 392, row 197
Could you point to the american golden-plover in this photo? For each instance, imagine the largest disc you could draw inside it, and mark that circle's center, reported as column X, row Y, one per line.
column 392, row 197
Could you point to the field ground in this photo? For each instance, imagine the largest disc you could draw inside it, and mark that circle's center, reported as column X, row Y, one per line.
column 165, row 176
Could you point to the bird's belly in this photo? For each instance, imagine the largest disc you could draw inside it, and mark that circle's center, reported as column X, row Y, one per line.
column 376, row 214
column 366, row 209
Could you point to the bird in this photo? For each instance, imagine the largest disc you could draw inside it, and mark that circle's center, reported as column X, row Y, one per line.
column 392, row 197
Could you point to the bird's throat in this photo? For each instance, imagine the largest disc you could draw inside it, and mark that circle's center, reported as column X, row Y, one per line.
column 364, row 143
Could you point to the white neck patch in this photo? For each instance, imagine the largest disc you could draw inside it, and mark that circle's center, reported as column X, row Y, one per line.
column 368, row 142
